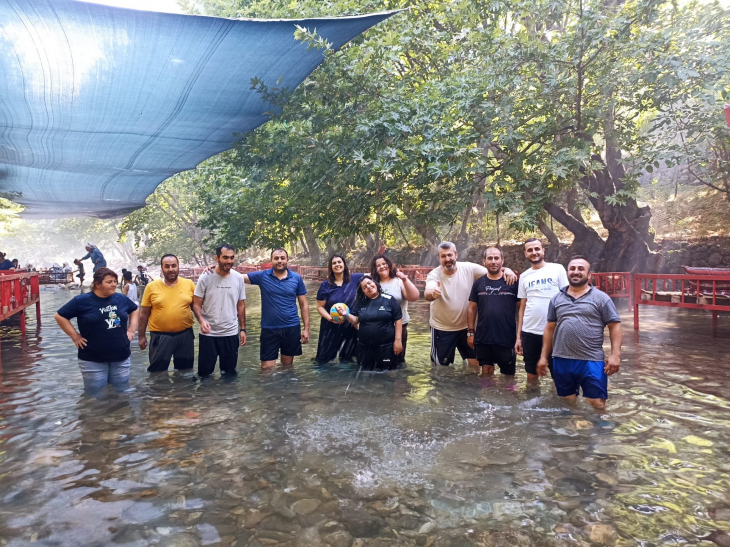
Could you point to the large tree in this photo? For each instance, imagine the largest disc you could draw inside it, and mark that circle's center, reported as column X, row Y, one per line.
column 453, row 109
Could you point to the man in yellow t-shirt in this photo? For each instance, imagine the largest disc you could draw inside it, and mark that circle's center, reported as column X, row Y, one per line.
column 166, row 306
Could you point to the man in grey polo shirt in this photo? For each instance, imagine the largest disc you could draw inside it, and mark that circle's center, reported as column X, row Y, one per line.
column 577, row 316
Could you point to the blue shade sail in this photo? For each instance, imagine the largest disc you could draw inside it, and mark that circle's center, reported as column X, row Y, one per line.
column 98, row 105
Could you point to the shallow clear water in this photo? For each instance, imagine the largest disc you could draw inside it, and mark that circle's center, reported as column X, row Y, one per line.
column 263, row 458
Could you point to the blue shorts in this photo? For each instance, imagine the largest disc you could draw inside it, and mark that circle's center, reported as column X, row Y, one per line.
column 571, row 374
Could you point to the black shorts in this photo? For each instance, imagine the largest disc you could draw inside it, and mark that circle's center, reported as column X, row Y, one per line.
column 164, row 346
column 376, row 357
column 212, row 348
column 503, row 356
column 288, row 340
column 531, row 352
column 444, row 344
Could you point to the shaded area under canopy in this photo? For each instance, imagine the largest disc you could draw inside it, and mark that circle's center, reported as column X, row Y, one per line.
column 98, row 105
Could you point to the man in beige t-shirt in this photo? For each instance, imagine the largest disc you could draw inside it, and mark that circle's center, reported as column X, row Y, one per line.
column 448, row 288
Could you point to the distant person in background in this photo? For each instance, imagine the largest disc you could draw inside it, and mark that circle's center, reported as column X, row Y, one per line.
column 80, row 271
column 142, row 279
column 378, row 318
column 97, row 259
column 57, row 272
column 107, row 322
column 340, row 287
column 5, row 264
column 66, row 272
column 130, row 289
column 29, row 268
column 16, row 263
column 396, row 284
column 166, row 305
column 382, row 249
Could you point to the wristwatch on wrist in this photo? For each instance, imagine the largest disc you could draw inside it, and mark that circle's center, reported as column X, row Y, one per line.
column 469, row 334
column 243, row 330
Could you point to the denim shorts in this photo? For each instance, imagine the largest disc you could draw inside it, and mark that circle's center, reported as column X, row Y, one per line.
column 97, row 375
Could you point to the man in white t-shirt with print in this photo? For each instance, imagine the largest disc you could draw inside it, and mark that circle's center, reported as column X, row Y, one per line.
column 537, row 286
column 448, row 288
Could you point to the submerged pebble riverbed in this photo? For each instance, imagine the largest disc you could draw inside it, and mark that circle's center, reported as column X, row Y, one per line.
column 322, row 455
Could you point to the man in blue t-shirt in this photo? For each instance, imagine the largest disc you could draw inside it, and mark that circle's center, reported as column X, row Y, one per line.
column 280, row 292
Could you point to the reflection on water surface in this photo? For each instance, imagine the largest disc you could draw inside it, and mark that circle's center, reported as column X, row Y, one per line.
column 319, row 455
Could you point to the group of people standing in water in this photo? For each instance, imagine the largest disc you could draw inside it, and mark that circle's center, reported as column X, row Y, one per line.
column 554, row 319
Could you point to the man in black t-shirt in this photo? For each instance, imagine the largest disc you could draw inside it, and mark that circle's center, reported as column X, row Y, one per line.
column 492, row 306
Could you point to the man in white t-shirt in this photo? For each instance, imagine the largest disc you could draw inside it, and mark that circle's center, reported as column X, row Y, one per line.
column 537, row 286
column 219, row 304
column 448, row 288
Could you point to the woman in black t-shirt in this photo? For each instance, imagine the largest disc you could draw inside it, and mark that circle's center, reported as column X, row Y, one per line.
column 379, row 320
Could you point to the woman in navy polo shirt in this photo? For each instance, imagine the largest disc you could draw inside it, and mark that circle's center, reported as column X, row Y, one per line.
column 339, row 288
column 107, row 322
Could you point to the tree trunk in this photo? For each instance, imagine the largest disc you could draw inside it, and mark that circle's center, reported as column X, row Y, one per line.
column 431, row 241
column 462, row 241
column 587, row 241
column 629, row 243
column 312, row 245
column 552, row 253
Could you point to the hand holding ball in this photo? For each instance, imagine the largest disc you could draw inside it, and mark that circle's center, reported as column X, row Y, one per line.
column 339, row 312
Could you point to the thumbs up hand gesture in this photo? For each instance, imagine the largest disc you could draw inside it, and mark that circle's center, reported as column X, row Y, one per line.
column 437, row 291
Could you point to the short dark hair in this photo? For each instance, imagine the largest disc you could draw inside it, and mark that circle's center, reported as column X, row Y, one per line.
column 580, row 257
column 169, row 256
column 101, row 274
column 219, row 249
column 533, row 239
column 484, row 255
column 374, row 270
column 127, row 276
column 279, row 249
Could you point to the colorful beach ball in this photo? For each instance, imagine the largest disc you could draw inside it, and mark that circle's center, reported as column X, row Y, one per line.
column 336, row 316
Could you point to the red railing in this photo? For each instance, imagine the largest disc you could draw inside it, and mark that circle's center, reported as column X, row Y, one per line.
column 699, row 292
column 17, row 292
column 614, row 284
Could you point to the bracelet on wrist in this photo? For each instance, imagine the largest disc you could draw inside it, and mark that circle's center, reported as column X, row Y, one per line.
column 243, row 330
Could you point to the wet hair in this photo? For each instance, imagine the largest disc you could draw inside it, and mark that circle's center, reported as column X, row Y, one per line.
column 580, row 257
column 374, row 270
column 361, row 297
column 219, row 249
column 127, row 276
column 345, row 272
column 279, row 249
column 169, row 256
column 493, row 247
column 530, row 240
column 101, row 274
column 76, row 261
column 446, row 245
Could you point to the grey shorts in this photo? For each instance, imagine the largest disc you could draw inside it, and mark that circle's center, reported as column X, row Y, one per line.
column 164, row 346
